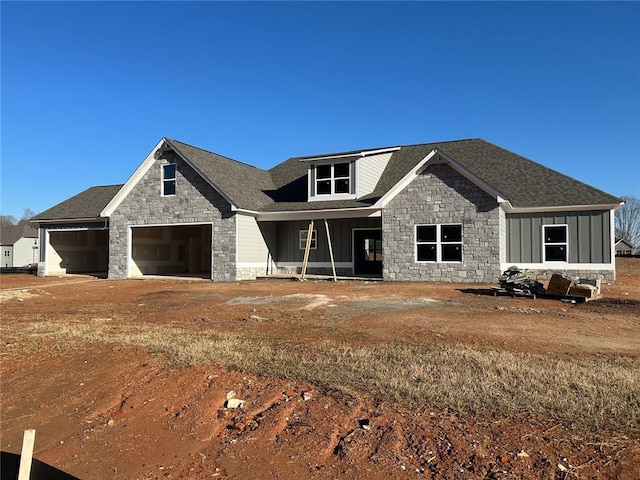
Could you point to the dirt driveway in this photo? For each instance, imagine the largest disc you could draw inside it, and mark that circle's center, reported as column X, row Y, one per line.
column 104, row 407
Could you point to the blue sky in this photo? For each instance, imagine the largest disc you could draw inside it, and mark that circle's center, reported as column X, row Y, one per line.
column 88, row 88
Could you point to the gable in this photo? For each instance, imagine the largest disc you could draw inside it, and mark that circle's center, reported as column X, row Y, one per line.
column 191, row 198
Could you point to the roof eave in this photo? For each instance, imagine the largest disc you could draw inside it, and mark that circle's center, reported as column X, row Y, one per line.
column 509, row 208
column 69, row 220
column 352, row 212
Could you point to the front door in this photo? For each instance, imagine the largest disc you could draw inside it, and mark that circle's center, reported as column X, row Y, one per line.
column 367, row 252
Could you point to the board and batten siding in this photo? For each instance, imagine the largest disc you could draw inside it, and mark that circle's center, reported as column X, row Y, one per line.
column 370, row 169
column 341, row 231
column 588, row 232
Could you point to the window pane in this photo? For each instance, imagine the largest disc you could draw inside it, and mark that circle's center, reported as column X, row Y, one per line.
column 426, row 253
column 169, row 171
column 341, row 170
column 451, row 253
column 303, row 239
column 555, row 234
column 169, row 187
column 342, row 186
column 555, row 253
column 426, row 233
column 323, row 187
column 451, row 233
column 323, row 171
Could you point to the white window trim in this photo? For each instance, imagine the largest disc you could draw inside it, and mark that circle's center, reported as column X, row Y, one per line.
column 565, row 243
column 438, row 243
column 302, row 239
column 164, row 180
column 332, row 179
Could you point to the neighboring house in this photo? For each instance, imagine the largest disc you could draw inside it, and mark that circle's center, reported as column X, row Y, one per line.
column 623, row 247
column 20, row 245
column 455, row 211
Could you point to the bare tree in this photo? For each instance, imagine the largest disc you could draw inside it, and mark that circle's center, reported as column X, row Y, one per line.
column 7, row 220
column 26, row 216
column 628, row 221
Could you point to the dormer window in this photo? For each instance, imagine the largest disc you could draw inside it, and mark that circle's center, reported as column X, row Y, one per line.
column 333, row 179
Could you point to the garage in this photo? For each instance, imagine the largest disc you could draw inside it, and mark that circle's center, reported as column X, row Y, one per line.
column 77, row 251
column 175, row 250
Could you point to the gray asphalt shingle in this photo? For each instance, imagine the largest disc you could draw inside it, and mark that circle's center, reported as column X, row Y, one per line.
column 525, row 183
column 87, row 204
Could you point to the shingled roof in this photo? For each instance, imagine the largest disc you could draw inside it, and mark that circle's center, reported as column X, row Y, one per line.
column 85, row 205
column 245, row 185
column 10, row 234
column 525, row 183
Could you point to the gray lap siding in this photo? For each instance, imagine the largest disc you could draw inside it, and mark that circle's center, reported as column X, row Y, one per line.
column 195, row 201
column 442, row 196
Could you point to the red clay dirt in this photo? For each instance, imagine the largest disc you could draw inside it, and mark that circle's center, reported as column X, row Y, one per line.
column 104, row 410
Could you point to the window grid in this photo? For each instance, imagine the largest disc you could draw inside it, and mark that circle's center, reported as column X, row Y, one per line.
column 333, row 179
column 555, row 243
column 302, row 239
column 438, row 243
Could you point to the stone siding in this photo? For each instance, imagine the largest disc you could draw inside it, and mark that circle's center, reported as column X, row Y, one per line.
column 440, row 195
column 195, row 201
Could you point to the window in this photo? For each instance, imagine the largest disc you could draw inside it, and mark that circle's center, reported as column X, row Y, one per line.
column 169, row 179
column 303, row 239
column 555, row 243
column 333, row 179
column 439, row 243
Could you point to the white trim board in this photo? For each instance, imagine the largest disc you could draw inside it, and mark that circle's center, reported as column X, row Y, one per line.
column 559, row 266
column 144, row 167
column 364, row 212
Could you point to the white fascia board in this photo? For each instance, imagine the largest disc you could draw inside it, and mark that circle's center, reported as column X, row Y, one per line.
column 364, row 153
column 75, row 229
column 148, row 162
column 508, row 208
column 69, row 220
column 500, row 198
column 405, row 181
column 365, row 212
column 380, row 150
column 248, row 213
column 330, row 157
column 132, row 181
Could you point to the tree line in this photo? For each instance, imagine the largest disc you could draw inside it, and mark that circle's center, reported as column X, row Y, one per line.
column 11, row 221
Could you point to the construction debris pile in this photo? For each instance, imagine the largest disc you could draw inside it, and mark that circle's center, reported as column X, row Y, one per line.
column 514, row 281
